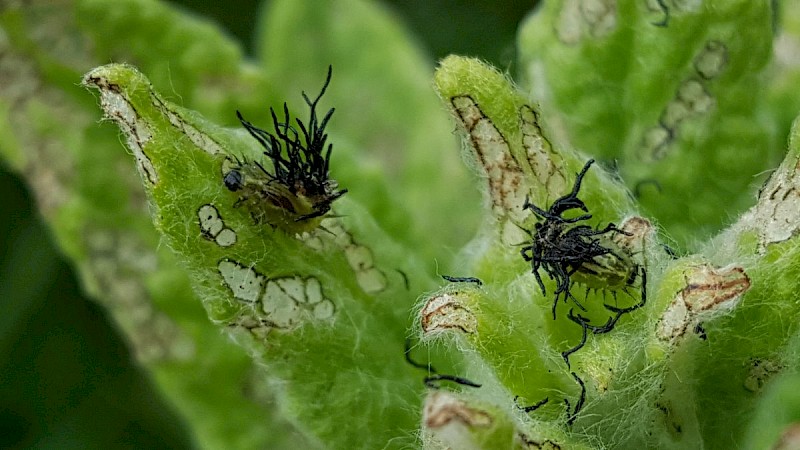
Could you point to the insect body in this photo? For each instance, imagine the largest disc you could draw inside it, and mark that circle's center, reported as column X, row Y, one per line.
column 568, row 251
column 297, row 188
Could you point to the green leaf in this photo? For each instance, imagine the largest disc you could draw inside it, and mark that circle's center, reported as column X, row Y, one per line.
column 672, row 93
column 300, row 303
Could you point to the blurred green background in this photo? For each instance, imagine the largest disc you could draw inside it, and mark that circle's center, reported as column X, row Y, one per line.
column 67, row 379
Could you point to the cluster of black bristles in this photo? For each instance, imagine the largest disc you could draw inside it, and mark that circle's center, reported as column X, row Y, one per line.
column 559, row 246
column 299, row 155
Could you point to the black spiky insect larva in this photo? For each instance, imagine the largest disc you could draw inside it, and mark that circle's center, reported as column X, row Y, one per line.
column 571, row 252
column 294, row 191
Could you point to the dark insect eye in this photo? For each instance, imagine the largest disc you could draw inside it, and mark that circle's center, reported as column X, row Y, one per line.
column 233, row 180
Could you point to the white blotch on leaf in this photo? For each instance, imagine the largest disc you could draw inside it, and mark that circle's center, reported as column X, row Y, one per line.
column 655, row 141
column 210, row 221
column 692, row 99
column 286, row 302
column 279, row 305
column 359, row 257
column 711, row 61
column 226, row 238
column 245, row 283
column 212, row 226
column 290, row 300
column 600, row 16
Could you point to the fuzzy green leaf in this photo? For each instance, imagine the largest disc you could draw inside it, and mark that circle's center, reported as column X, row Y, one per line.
column 671, row 91
column 301, row 301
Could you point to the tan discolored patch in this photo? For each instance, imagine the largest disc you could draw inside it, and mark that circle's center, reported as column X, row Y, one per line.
column 790, row 438
column 708, row 291
column 447, row 312
column 536, row 444
column 507, row 187
column 117, row 108
column 198, row 138
column 43, row 158
column 639, row 230
column 776, row 215
column 443, row 410
column 545, row 163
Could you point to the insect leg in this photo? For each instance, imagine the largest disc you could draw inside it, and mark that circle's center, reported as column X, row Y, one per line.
column 463, row 280
column 641, row 303
column 539, row 279
column 430, row 381
column 525, row 253
column 407, row 353
column 581, row 401
column 579, row 178
column 533, row 407
column 584, row 326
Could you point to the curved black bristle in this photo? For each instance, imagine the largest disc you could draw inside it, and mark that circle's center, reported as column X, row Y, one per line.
column 299, row 156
